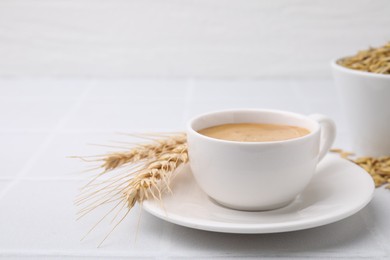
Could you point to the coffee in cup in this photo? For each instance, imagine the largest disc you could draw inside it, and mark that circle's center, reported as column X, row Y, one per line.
column 254, row 132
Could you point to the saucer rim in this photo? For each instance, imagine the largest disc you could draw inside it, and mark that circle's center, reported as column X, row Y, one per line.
column 264, row 228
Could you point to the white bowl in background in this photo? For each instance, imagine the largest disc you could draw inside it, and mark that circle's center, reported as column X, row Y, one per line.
column 365, row 99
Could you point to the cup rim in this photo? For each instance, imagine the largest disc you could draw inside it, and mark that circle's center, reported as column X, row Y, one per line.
column 298, row 139
column 337, row 66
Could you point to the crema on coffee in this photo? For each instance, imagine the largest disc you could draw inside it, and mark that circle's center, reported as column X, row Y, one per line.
column 254, row 132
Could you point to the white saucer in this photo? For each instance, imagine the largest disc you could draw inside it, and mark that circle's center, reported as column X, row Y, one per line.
column 338, row 190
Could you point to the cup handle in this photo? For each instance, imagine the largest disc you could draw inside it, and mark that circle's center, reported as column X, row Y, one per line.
column 328, row 133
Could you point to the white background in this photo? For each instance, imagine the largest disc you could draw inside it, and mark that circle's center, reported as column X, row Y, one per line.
column 74, row 73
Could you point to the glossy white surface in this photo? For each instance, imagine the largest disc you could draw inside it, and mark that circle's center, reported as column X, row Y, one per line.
column 257, row 175
column 42, row 121
column 338, row 190
column 366, row 103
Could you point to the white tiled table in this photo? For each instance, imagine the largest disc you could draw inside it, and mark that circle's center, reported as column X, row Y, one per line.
column 44, row 121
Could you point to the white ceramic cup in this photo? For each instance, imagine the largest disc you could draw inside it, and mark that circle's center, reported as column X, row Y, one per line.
column 365, row 98
column 257, row 175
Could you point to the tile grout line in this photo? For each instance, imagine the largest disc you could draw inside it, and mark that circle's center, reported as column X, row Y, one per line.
column 165, row 239
column 43, row 146
column 43, row 253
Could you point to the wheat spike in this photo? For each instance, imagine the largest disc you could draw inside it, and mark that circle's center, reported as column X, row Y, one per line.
column 156, row 176
column 143, row 172
column 141, row 152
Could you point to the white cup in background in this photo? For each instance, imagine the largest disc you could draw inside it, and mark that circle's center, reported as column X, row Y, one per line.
column 257, row 175
column 365, row 99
